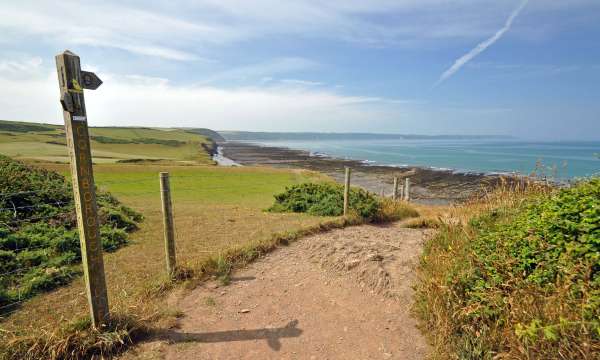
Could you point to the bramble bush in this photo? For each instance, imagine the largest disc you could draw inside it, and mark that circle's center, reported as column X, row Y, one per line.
column 522, row 281
column 39, row 241
column 325, row 199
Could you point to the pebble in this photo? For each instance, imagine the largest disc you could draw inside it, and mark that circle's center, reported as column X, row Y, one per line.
column 244, row 311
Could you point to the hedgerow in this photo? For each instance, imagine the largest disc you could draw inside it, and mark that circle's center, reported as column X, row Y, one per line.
column 39, row 241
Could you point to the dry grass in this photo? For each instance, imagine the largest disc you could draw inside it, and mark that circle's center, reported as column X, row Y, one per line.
column 220, row 225
column 449, row 259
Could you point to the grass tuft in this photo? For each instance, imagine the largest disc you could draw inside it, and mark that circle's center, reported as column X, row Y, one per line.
column 78, row 340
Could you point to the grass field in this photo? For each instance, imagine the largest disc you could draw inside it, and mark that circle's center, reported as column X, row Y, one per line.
column 109, row 144
column 215, row 209
column 219, row 215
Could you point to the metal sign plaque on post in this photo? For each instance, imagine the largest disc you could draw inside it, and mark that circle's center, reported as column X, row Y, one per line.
column 72, row 81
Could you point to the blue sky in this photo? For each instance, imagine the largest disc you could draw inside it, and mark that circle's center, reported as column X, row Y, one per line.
column 524, row 68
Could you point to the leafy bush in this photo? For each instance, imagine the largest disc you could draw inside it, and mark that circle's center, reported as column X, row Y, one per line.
column 325, row 199
column 39, row 240
column 521, row 281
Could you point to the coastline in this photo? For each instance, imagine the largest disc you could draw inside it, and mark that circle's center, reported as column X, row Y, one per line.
column 428, row 185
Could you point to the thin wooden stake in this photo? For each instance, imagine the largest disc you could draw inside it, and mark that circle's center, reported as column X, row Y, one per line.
column 347, row 190
column 395, row 192
column 407, row 189
column 78, row 142
column 169, row 231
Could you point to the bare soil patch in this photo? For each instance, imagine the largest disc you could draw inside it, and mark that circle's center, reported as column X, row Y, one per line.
column 345, row 294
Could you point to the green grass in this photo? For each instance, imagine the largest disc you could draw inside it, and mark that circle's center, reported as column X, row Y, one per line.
column 219, row 213
column 109, row 144
column 520, row 280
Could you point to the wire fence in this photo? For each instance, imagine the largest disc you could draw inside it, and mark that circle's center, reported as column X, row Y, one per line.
column 201, row 230
column 194, row 241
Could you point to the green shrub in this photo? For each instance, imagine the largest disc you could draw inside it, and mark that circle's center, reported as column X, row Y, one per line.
column 325, row 199
column 112, row 238
column 8, row 261
column 39, row 240
column 521, row 281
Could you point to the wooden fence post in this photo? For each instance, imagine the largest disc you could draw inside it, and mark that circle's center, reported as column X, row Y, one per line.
column 169, row 231
column 395, row 192
column 347, row 190
column 407, row 189
column 72, row 81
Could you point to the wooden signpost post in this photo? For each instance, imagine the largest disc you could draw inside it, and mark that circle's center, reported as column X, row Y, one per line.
column 72, row 81
column 347, row 191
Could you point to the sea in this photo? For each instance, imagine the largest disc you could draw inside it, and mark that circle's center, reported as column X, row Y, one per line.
column 558, row 160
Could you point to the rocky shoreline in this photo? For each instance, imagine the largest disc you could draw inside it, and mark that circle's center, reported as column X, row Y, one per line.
column 428, row 186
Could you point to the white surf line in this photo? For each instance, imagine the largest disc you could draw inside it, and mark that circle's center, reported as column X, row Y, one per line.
column 481, row 47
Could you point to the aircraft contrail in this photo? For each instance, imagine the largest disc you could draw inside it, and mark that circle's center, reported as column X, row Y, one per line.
column 460, row 62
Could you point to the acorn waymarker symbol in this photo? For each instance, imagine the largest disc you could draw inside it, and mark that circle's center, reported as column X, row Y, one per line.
column 90, row 80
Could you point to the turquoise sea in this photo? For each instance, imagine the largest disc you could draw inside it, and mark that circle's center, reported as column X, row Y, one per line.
column 562, row 160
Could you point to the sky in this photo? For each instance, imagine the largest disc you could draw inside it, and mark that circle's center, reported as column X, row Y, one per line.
column 529, row 69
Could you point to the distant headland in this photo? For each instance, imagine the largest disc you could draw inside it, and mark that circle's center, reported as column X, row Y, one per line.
column 272, row 136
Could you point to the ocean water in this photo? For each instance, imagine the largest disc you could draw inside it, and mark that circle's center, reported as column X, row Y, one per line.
column 561, row 160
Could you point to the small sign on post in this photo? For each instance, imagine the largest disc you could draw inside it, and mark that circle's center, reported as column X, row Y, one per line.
column 84, row 191
column 90, row 80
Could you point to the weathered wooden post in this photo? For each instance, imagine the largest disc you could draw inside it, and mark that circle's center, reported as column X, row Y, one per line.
column 407, row 189
column 395, row 192
column 72, row 81
column 346, row 190
column 169, row 231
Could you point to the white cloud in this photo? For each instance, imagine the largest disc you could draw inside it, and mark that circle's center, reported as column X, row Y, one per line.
column 183, row 30
column 21, row 66
column 263, row 70
column 107, row 25
column 299, row 82
column 146, row 101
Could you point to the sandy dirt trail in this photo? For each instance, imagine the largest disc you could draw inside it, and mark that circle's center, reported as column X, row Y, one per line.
column 345, row 294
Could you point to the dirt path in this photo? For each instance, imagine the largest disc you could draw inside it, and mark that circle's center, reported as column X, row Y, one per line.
column 345, row 294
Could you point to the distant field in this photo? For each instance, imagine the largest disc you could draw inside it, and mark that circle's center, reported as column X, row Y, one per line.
column 109, row 144
column 215, row 208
